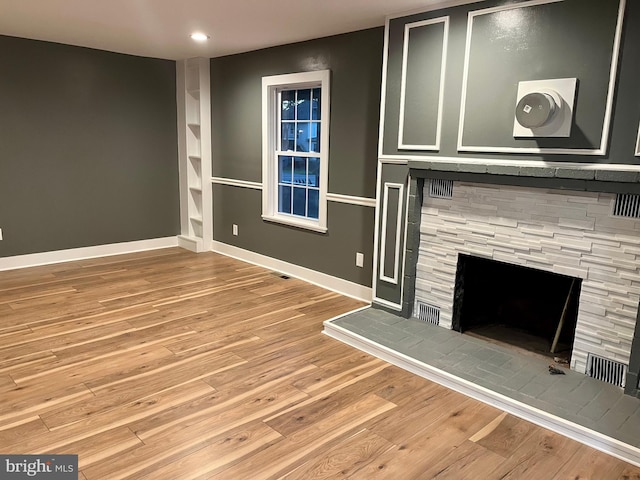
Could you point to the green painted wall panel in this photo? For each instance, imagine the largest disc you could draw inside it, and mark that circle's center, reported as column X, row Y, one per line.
column 355, row 62
column 397, row 174
column 89, row 147
column 572, row 38
column 422, row 89
column 333, row 253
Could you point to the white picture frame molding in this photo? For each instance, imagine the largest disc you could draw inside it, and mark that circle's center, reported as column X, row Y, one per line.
column 601, row 150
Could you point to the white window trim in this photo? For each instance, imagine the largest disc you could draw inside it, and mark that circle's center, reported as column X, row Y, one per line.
column 270, row 87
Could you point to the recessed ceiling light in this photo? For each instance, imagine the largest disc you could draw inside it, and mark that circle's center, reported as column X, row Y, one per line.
column 199, row 37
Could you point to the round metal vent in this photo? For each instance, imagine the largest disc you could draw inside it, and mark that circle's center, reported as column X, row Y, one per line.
column 537, row 109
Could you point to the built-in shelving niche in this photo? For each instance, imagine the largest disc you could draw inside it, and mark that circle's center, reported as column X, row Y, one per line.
column 195, row 155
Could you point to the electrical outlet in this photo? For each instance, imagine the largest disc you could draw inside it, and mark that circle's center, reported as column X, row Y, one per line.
column 235, row 229
column 359, row 259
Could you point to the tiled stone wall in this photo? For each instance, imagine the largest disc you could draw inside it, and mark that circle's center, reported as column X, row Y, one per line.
column 567, row 232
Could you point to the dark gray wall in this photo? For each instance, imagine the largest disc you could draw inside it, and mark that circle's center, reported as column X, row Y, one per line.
column 355, row 61
column 573, row 38
column 88, row 150
column 333, row 253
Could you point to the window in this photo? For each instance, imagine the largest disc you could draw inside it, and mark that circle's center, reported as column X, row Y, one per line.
column 295, row 140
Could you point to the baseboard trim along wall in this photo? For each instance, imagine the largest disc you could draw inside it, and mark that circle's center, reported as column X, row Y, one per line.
column 344, row 287
column 83, row 253
column 544, row 419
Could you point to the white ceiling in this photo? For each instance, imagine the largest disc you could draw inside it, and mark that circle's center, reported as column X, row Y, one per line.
column 161, row 28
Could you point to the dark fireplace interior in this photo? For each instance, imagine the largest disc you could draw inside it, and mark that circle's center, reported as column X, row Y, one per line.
column 524, row 307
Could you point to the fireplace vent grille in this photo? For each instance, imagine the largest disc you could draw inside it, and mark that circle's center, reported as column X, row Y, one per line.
column 627, row 205
column 441, row 188
column 427, row 313
column 606, row 370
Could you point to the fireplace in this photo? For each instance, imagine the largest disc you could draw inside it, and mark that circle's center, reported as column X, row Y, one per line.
column 572, row 235
column 525, row 307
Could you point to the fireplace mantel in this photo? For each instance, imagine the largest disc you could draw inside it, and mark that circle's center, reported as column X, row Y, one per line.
column 612, row 178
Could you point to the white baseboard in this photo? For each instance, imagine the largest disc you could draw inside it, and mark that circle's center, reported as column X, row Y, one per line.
column 593, row 439
column 190, row 243
column 83, row 253
column 344, row 287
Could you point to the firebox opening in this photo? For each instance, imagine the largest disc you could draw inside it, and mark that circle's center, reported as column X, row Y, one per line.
column 524, row 307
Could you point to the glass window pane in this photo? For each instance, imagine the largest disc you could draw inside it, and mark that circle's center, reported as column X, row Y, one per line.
column 315, row 104
column 304, row 105
column 284, row 199
column 314, row 201
column 288, row 105
column 288, row 136
column 285, row 169
column 300, row 171
column 302, row 140
column 300, row 201
column 315, row 137
column 314, row 172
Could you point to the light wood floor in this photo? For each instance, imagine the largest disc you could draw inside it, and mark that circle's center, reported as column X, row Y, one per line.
column 172, row 365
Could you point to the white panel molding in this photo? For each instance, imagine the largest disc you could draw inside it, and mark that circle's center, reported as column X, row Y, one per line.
column 403, row 82
column 396, row 254
column 601, row 150
column 183, row 178
column 84, row 253
column 236, row 183
column 405, row 159
column 335, row 284
column 387, row 303
column 435, row 5
column 383, row 90
column 544, row 419
column 396, row 159
column 351, row 200
column 331, row 197
column 376, row 243
column 404, row 256
column 376, row 230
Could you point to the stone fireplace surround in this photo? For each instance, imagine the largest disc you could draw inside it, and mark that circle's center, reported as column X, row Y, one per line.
column 542, row 221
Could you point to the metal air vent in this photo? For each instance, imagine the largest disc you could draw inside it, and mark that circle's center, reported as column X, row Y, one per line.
column 606, row 370
column 427, row 313
column 441, row 188
column 627, row 205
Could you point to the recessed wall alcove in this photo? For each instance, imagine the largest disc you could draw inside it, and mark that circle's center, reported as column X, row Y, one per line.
column 524, row 307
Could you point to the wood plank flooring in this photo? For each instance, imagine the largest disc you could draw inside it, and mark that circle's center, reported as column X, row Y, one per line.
column 171, row 365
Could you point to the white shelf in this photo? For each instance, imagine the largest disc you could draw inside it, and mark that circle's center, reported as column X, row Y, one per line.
column 194, row 108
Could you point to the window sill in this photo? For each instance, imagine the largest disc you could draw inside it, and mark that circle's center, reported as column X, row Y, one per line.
column 295, row 223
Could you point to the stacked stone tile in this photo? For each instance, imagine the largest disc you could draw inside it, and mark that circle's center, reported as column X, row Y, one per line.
column 566, row 232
